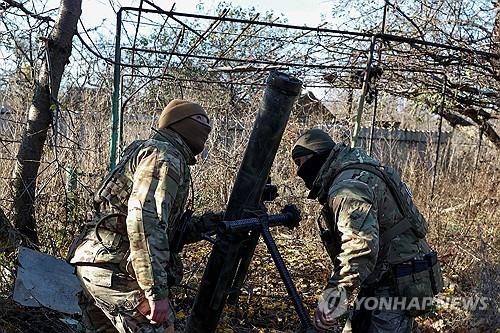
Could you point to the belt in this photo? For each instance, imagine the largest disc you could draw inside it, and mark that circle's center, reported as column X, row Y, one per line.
column 400, row 270
column 412, row 267
column 416, row 265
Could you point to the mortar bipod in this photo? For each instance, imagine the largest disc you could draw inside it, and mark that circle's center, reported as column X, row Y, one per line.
column 290, row 218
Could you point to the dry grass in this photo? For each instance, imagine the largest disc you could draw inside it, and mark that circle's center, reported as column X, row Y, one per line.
column 18, row 319
column 463, row 214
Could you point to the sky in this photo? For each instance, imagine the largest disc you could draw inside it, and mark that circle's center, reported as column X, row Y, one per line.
column 298, row 12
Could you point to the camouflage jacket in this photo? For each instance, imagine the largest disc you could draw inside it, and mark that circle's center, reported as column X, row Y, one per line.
column 358, row 208
column 149, row 187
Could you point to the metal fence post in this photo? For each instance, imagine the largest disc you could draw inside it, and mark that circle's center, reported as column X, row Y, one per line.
column 364, row 90
column 440, row 129
column 115, row 106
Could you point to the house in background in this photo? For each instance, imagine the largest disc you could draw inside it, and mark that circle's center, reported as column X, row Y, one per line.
column 391, row 143
column 308, row 105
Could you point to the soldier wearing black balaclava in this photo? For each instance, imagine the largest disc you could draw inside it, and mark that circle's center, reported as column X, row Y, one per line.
column 377, row 245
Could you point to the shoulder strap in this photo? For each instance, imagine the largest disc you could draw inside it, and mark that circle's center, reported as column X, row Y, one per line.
column 397, row 229
column 129, row 151
column 404, row 224
column 378, row 171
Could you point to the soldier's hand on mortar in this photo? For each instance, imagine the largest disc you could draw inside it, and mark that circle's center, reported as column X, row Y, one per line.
column 321, row 322
column 156, row 311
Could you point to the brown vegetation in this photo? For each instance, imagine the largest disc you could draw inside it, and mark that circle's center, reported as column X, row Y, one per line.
column 463, row 214
column 463, row 211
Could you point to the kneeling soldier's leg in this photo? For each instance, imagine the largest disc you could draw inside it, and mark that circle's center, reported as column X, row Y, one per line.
column 390, row 321
column 389, row 317
column 118, row 296
column 94, row 320
column 357, row 321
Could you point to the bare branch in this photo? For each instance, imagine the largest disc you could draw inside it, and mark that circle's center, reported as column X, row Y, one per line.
column 6, row 4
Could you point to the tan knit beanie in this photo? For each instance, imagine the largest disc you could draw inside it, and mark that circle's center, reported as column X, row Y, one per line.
column 178, row 110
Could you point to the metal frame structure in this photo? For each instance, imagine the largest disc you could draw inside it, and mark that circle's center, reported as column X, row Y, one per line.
column 263, row 65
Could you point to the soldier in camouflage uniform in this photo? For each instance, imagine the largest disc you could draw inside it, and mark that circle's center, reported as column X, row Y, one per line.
column 365, row 245
column 123, row 257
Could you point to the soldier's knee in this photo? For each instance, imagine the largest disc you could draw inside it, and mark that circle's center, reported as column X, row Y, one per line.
column 395, row 321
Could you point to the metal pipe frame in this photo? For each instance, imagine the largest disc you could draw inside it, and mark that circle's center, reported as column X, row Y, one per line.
column 116, row 129
column 382, row 36
column 379, row 58
column 115, row 112
column 364, row 90
column 374, row 118
column 440, row 130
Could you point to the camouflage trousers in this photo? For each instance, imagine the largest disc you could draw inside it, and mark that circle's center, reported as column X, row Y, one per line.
column 363, row 320
column 109, row 302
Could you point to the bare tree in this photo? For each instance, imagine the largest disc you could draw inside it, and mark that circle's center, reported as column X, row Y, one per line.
column 58, row 47
column 471, row 87
column 495, row 41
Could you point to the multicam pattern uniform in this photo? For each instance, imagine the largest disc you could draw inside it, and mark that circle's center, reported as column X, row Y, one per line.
column 129, row 259
column 358, row 208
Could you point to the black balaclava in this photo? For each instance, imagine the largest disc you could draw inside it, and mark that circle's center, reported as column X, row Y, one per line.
column 194, row 133
column 309, row 170
column 319, row 144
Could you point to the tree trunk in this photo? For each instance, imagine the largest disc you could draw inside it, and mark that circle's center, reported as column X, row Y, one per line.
column 480, row 120
column 9, row 237
column 495, row 41
column 58, row 50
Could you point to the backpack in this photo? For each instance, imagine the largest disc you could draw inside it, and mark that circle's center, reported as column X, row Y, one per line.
column 412, row 218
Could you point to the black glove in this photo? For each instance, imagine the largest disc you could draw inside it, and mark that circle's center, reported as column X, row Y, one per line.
column 270, row 192
column 294, row 217
column 194, row 228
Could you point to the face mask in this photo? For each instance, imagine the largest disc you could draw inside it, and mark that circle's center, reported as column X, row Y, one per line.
column 193, row 132
column 308, row 171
